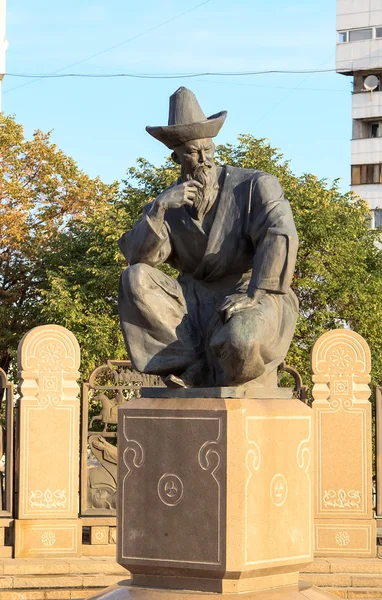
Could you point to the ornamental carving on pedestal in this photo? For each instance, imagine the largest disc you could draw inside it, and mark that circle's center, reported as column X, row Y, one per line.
column 342, row 499
column 341, row 365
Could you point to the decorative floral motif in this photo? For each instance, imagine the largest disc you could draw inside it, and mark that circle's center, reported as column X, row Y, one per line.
column 47, row 499
column 340, row 357
column 99, row 535
column 342, row 538
column 48, row 539
column 51, row 354
column 342, row 499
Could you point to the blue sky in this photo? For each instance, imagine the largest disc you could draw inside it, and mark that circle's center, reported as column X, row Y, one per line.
column 101, row 122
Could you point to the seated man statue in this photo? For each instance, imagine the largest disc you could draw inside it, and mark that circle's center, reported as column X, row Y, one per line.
column 230, row 316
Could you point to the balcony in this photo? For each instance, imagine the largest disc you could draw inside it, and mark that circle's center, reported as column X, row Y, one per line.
column 359, row 56
column 367, row 105
column 366, row 151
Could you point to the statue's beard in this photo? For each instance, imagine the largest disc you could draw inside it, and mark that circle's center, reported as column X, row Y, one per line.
column 205, row 197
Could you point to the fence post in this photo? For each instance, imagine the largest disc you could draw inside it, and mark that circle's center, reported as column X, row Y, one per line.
column 47, row 523
column 344, row 524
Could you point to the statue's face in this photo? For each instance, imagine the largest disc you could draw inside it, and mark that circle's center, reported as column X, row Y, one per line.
column 196, row 155
column 197, row 162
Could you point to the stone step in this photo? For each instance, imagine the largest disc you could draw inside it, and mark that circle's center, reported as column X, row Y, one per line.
column 344, row 565
column 355, row 593
column 84, row 566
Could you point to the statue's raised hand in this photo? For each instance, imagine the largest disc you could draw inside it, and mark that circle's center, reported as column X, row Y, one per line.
column 238, row 302
column 179, row 195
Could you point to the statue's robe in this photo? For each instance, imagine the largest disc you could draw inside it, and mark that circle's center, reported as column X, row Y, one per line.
column 171, row 326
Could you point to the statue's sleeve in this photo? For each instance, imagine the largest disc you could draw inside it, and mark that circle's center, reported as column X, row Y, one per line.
column 274, row 237
column 148, row 242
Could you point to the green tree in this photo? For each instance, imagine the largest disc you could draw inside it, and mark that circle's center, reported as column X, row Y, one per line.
column 73, row 265
column 42, row 192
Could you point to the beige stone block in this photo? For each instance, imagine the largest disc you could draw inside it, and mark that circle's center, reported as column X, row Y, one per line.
column 353, row 538
column 6, row 552
column 364, row 593
column 38, row 595
column 47, row 539
column 101, row 580
column 325, row 580
column 340, row 593
column 61, row 594
column 246, row 471
column 47, row 581
column 342, row 414
column 99, row 536
column 2, row 536
column 96, row 551
column 48, row 362
column 320, row 565
column 355, row 565
column 109, row 566
column 84, row 594
column 113, row 535
column 6, row 582
column 32, row 566
column 98, row 521
column 367, row 581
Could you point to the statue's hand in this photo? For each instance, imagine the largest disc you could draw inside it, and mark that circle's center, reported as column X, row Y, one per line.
column 238, row 302
column 179, row 195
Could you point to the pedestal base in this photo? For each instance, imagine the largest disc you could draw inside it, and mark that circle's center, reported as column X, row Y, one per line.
column 345, row 537
column 125, row 591
column 47, row 538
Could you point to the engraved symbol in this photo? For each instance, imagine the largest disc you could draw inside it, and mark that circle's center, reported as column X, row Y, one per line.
column 342, row 538
column 170, row 489
column 48, row 539
column 279, row 489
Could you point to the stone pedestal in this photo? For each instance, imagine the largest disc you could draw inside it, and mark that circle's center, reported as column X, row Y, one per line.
column 215, row 494
column 344, row 524
column 47, row 523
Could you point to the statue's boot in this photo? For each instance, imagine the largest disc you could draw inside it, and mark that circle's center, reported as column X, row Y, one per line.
column 194, row 376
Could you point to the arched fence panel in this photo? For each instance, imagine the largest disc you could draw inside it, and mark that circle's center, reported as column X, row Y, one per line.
column 108, row 387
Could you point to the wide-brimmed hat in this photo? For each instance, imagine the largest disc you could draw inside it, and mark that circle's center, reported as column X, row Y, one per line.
column 186, row 121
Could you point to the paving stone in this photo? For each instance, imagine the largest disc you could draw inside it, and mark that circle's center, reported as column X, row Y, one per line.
column 95, row 566
column 320, row 565
column 35, row 595
column 48, row 581
column 339, row 592
column 360, row 593
column 327, row 579
column 101, row 580
column 367, row 581
column 35, row 566
column 6, row 582
column 355, row 565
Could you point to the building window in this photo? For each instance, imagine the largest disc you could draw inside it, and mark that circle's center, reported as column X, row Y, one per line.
column 342, row 36
column 360, row 34
column 366, row 174
column 375, row 130
column 378, row 32
column 377, row 218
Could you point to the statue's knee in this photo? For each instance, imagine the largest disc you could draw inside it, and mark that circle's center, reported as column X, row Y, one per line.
column 134, row 278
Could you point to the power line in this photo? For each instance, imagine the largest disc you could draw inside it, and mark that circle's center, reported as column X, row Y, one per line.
column 130, row 39
column 166, row 76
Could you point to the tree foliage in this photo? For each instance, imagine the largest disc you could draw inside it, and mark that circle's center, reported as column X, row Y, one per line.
column 42, row 192
column 66, row 252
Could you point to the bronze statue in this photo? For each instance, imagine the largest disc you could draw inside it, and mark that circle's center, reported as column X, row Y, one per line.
column 230, row 317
